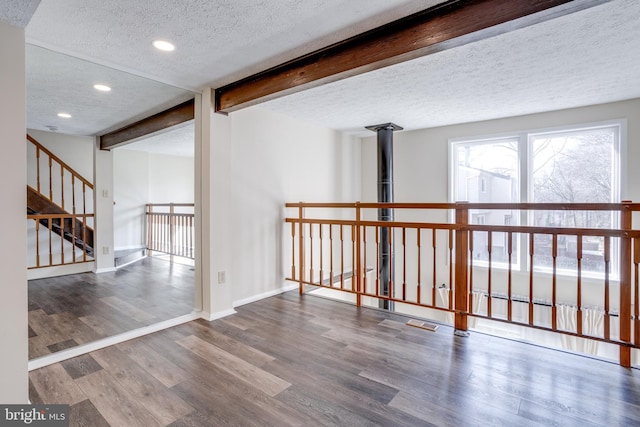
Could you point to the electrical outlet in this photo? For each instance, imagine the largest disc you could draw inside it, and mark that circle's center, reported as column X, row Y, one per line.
column 221, row 277
column 105, row 250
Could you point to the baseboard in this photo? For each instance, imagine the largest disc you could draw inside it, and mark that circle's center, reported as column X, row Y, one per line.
column 105, row 270
column 264, row 295
column 63, row 355
column 218, row 315
column 60, row 270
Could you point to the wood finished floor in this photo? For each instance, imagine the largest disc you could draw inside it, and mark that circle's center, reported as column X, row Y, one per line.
column 71, row 310
column 307, row 361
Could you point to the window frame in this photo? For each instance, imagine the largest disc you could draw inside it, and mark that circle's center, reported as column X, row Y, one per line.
column 525, row 177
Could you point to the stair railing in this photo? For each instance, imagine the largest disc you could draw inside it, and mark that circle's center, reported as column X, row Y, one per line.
column 62, row 232
column 55, row 187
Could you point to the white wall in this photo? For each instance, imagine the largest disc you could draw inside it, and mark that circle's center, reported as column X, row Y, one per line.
column 141, row 178
column 75, row 151
column 14, row 384
column 131, row 192
column 421, row 156
column 276, row 159
column 171, row 179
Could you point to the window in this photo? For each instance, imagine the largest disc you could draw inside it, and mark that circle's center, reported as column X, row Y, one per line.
column 575, row 165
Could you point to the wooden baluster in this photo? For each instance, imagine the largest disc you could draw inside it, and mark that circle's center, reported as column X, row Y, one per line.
column 73, row 238
column 50, row 227
column 354, row 269
column 341, row 257
column 489, row 271
column 172, row 232
column 579, row 286
column 293, row 251
column 38, row 169
column 391, row 266
column 84, row 239
column 636, row 290
column 404, row 264
column 73, row 193
column 377, row 260
column 451, row 281
column 531, row 252
column 37, row 243
column 50, row 179
column 434, row 264
column 150, row 230
column 418, row 243
column 62, row 225
column 607, row 319
column 461, row 277
column 509, row 276
column 625, row 285
column 62, row 185
column 554, row 281
column 311, row 253
column 331, row 255
column 364, row 262
column 471, row 234
column 320, row 281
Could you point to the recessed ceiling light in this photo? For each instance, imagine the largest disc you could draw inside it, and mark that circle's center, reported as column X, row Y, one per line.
column 64, row 115
column 163, row 45
column 102, row 88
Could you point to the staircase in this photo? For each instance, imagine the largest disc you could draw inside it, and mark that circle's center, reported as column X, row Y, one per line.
column 57, row 203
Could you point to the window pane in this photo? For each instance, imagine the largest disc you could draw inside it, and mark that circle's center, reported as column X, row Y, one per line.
column 487, row 172
column 572, row 167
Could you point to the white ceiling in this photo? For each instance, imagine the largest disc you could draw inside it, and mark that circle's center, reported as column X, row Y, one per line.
column 589, row 57
column 585, row 58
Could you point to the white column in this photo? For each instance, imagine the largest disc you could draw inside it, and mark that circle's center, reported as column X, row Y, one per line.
column 103, row 199
column 14, row 383
column 213, row 199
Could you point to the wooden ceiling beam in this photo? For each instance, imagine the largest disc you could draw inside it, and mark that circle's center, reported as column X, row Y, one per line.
column 173, row 116
column 442, row 27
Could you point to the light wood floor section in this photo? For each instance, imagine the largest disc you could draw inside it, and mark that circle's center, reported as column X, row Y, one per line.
column 67, row 311
column 307, row 361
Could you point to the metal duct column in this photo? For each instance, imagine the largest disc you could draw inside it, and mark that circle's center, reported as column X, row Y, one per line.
column 385, row 195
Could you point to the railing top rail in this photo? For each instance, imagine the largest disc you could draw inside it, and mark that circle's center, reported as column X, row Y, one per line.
column 171, row 204
column 60, row 161
column 521, row 229
column 465, row 205
column 58, row 216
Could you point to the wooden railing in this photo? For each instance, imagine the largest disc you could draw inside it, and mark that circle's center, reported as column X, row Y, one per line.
column 69, row 248
column 59, row 200
column 170, row 229
column 549, row 278
column 59, row 182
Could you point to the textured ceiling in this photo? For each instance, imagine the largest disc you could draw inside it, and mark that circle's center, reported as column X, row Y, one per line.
column 178, row 141
column 589, row 57
column 17, row 12
column 60, row 83
column 585, row 58
column 216, row 41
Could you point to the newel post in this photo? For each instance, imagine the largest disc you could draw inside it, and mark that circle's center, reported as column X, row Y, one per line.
column 302, row 267
column 461, row 285
column 626, row 223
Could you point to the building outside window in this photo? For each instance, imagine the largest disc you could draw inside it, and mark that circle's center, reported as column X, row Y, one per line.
column 570, row 165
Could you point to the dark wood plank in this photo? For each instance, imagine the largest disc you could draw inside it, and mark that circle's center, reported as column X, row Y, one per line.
column 173, row 116
column 433, row 30
column 84, row 414
column 80, row 366
column 346, row 366
column 81, row 308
